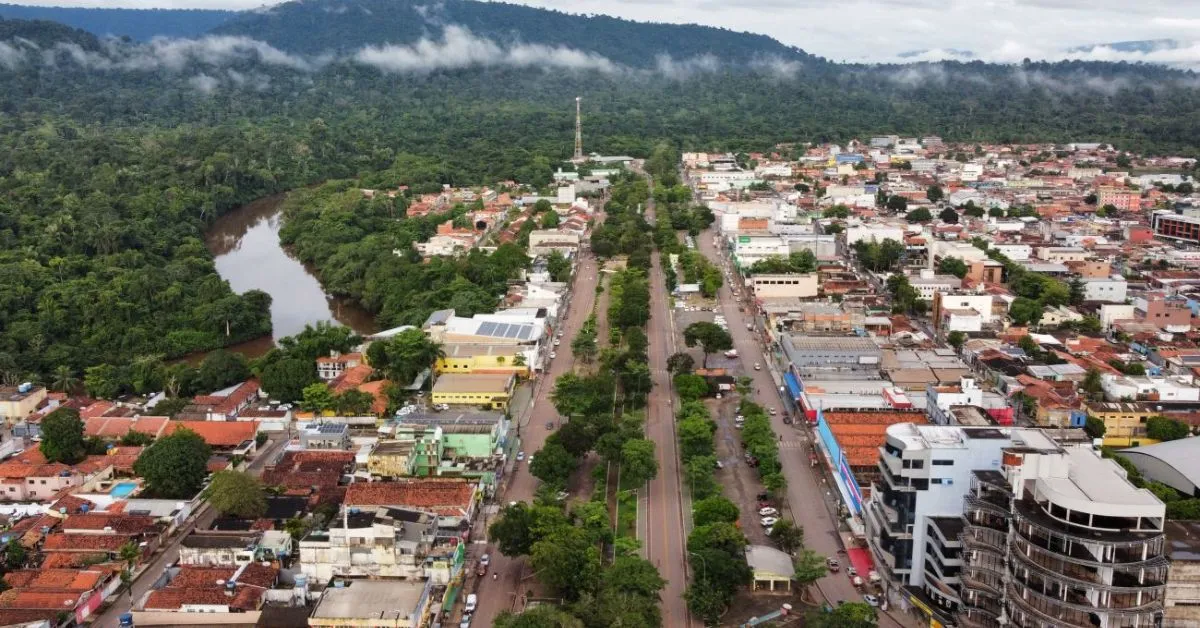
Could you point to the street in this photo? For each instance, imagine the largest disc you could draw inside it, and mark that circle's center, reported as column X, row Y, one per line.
column 664, row 535
column 805, row 492
column 499, row 594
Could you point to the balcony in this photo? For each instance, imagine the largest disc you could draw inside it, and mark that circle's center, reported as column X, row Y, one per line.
column 983, row 538
column 994, row 504
column 1052, row 597
column 1129, row 548
column 1123, row 580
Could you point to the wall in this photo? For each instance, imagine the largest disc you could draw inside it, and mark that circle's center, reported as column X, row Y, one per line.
column 798, row 285
column 1183, row 587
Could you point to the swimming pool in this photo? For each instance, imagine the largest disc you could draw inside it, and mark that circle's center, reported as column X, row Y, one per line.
column 123, row 489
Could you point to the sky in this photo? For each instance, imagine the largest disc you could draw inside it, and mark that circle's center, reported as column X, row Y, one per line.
column 880, row 30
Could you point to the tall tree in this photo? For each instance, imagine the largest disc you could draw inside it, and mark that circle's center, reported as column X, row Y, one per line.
column 709, row 336
column 175, row 466
column 62, row 437
column 237, row 494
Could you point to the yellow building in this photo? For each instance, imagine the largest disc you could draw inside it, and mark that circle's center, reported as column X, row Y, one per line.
column 18, row 402
column 1124, row 423
column 491, row 391
column 483, row 359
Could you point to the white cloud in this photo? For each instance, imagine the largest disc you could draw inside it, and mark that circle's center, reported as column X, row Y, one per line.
column 204, row 83
column 11, row 56
column 459, row 48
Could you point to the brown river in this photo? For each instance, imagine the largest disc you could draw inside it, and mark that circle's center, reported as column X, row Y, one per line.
column 245, row 245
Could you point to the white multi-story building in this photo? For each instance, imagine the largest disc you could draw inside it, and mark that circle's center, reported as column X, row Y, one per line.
column 877, row 232
column 1015, row 252
column 987, row 526
column 1109, row 290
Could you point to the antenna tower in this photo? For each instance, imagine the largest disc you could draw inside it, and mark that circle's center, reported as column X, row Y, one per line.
column 578, row 158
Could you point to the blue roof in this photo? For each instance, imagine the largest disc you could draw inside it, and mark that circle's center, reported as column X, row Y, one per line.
column 793, row 385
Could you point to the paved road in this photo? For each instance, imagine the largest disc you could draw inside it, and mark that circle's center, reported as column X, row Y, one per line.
column 665, row 535
column 804, row 490
column 200, row 520
column 500, row 594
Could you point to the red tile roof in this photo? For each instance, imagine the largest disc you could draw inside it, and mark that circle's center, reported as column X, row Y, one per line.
column 440, row 496
column 206, row 585
column 352, row 377
column 65, row 560
column 60, row 542
column 116, row 427
column 57, row 579
column 64, row 601
column 10, row 469
column 217, row 433
column 14, row 616
column 228, row 403
column 120, row 523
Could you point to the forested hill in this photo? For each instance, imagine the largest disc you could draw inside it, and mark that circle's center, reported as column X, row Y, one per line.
column 139, row 24
column 320, row 26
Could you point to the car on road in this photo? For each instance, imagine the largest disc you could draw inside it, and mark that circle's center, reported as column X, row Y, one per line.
column 871, row 599
column 769, row 521
column 557, row 342
column 466, row 621
column 757, row 366
column 549, row 425
column 773, row 411
column 530, row 459
column 472, row 601
column 553, row 355
column 767, row 511
column 833, row 565
column 520, row 456
column 485, row 560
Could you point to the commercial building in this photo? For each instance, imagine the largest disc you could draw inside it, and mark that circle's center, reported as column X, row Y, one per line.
column 1124, row 422
column 835, row 357
column 1109, row 290
column 1122, row 199
column 485, row 391
column 370, row 543
column 798, row 286
column 18, row 402
column 1167, row 224
column 1175, row 463
column 478, row 358
column 373, row 604
column 972, row 525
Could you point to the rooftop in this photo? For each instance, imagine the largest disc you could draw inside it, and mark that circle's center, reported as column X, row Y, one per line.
column 462, row 383
column 374, row 599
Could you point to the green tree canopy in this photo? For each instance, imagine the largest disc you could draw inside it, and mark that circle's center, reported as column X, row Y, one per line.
column 175, row 466
column 709, row 336
column 237, row 494
column 62, row 436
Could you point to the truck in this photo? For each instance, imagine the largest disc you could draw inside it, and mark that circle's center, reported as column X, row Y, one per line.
column 732, row 353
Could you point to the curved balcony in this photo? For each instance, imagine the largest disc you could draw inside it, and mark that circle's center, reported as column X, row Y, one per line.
column 980, row 581
column 984, row 538
column 990, row 504
column 981, row 606
column 1056, row 566
column 1126, row 545
column 1071, row 599
column 1079, row 551
column 969, row 620
column 1037, row 613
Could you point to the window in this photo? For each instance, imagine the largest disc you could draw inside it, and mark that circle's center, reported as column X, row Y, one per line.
column 942, row 463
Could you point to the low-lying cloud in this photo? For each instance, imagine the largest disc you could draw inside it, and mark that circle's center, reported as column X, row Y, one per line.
column 459, row 48
column 1175, row 54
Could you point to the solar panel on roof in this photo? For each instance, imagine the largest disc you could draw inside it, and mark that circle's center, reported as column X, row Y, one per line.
column 526, row 333
column 512, row 331
column 486, row 329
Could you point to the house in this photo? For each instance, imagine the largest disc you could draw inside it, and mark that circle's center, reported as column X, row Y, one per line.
column 29, row 477
column 487, row 391
column 546, row 241
column 79, row 591
column 336, row 363
column 313, row 474
column 454, row 501
column 320, row 435
column 221, row 435
column 223, row 405
column 212, row 548
column 1107, row 289
column 115, row 428
column 373, row 543
column 212, row 590
column 18, row 402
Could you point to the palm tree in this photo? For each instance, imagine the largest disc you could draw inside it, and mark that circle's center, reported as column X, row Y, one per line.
column 64, row 379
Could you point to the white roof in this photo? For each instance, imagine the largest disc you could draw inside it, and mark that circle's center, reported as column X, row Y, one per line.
column 1182, row 455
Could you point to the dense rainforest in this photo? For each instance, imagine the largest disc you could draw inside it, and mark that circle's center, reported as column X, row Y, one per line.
column 116, row 155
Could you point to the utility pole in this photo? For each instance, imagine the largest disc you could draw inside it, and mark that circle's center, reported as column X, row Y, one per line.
column 578, row 158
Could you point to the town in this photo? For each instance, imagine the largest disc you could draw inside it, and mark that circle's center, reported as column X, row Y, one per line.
column 896, row 381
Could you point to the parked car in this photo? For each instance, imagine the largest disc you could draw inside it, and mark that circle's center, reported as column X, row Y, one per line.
column 773, row 411
column 769, row 521
column 520, row 456
column 466, row 621
column 557, row 342
column 720, row 465
column 553, row 355
column 485, row 560
column 871, row 599
column 767, row 511
column 757, row 366
column 549, row 425
column 832, row 565
column 472, row 601
column 531, row 459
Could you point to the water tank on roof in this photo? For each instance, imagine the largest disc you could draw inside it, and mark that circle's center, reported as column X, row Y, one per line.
column 83, row 508
column 25, row 387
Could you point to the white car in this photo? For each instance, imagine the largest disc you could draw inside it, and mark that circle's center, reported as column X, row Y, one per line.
column 557, row 342
column 472, row 601
column 767, row 512
column 520, row 456
column 757, row 366
column 553, row 355
column 485, row 560
column 769, row 521
column 531, row 460
column 871, row 599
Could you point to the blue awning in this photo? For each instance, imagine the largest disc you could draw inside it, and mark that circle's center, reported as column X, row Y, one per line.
column 793, row 385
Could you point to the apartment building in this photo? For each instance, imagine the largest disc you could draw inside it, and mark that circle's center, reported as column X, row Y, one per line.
column 983, row 527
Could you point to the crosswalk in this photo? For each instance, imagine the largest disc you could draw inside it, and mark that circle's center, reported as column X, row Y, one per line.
column 793, row 444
